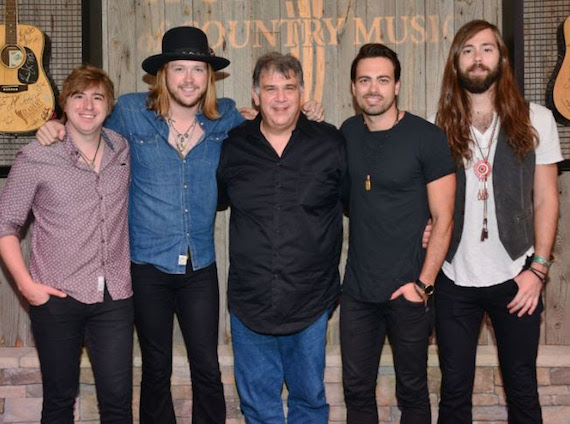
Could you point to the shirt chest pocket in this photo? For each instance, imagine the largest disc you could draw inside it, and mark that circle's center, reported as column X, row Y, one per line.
column 208, row 150
column 116, row 182
column 146, row 150
column 317, row 190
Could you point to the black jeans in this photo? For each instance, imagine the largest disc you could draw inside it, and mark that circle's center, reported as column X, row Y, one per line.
column 194, row 298
column 60, row 328
column 459, row 311
column 363, row 327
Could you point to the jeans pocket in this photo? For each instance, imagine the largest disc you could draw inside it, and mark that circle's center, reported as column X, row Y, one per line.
column 412, row 303
column 511, row 288
column 43, row 304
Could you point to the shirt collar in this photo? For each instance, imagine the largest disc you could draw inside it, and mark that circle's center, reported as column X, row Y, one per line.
column 72, row 149
column 303, row 125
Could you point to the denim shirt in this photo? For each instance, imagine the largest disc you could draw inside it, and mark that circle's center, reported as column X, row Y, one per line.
column 172, row 204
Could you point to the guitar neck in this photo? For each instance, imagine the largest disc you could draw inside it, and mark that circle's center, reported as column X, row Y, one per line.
column 11, row 21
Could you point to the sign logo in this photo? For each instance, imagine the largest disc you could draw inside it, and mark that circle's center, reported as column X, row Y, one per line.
column 309, row 36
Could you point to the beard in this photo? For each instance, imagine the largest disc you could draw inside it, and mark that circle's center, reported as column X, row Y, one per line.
column 187, row 103
column 478, row 85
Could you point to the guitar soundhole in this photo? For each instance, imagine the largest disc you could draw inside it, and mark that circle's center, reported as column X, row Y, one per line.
column 12, row 56
column 29, row 72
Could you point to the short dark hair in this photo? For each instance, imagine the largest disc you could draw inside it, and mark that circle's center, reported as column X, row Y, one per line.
column 282, row 63
column 376, row 50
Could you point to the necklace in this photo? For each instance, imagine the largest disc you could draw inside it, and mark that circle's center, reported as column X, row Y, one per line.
column 181, row 139
column 397, row 117
column 90, row 162
column 368, row 181
column 482, row 170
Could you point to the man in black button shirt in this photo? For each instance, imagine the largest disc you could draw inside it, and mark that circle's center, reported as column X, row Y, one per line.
column 284, row 178
column 401, row 173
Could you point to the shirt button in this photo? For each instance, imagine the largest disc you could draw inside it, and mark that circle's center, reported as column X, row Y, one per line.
column 187, row 234
column 185, row 210
column 185, row 186
column 277, row 163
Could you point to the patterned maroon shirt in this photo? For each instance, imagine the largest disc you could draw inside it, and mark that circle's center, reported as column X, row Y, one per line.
column 80, row 241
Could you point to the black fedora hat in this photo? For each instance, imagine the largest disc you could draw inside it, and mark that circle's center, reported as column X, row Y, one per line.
column 184, row 43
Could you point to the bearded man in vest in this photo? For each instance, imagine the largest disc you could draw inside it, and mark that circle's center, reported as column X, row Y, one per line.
column 506, row 214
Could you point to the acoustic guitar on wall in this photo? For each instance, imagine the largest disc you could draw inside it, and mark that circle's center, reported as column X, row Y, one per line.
column 26, row 95
column 561, row 89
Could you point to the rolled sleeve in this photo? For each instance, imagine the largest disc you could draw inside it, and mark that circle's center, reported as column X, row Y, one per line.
column 18, row 195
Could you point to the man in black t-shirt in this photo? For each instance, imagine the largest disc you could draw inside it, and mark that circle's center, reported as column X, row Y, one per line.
column 401, row 174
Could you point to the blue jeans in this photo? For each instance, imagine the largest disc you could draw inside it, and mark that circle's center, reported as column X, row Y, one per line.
column 459, row 312
column 61, row 327
column 363, row 328
column 264, row 362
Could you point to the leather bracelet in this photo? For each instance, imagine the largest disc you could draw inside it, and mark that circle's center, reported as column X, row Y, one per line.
column 544, row 274
column 534, row 271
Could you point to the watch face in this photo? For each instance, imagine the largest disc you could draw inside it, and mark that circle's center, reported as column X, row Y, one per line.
column 429, row 290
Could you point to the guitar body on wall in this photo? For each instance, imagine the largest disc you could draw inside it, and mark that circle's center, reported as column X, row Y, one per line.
column 26, row 95
column 558, row 88
column 561, row 92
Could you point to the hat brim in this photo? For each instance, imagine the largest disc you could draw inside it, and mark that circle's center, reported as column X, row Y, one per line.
column 153, row 63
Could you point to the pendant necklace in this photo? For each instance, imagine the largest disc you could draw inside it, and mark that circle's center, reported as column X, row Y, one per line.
column 90, row 162
column 368, row 181
column 482, row 170
column 181, row 139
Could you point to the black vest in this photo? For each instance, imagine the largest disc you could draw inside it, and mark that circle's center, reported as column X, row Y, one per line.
column 513, row 183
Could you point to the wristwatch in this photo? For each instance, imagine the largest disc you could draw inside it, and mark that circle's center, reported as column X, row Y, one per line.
column 428, row 289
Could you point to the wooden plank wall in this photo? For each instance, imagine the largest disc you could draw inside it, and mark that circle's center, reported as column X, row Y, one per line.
column 325, row 35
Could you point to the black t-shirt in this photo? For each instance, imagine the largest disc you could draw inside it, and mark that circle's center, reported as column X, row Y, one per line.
column 387, row 221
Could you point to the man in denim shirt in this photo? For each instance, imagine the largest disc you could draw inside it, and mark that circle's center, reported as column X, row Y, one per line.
column 175, row 133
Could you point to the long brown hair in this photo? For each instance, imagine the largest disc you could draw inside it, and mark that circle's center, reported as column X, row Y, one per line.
column 158, row 99
column 454, row 107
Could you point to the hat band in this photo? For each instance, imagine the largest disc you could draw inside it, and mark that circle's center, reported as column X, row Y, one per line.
column 192, row 52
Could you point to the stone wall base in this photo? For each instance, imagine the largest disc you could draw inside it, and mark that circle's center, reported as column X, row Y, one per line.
column 21, row 391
